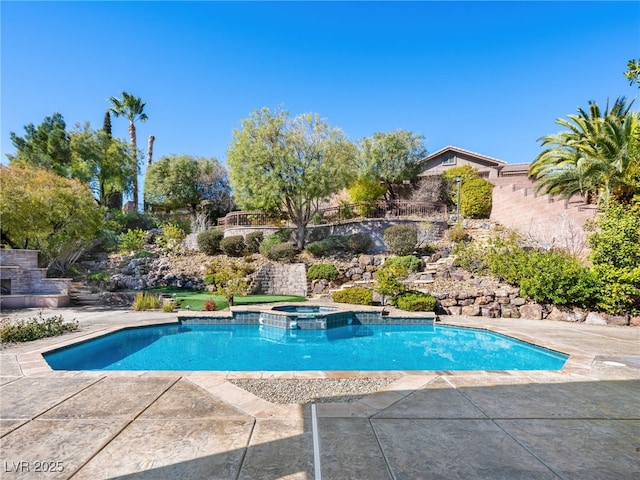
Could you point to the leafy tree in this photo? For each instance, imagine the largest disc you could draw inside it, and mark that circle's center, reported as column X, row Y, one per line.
column 101, row 161
column 287, row 164
column 391, row 158
column 182, row 181
column 41, row 210
column 633, row 72
column 132, row 108
column 229, row 278
column 45, row 146
column 597, row 154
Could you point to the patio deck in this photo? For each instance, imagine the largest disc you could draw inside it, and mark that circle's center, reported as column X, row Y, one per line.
column 580, row 423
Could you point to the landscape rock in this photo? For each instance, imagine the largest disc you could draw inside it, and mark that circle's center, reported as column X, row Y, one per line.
column 594, row 318
column 532, row 311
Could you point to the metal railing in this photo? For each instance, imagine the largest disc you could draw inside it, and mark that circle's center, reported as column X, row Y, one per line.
column 346, row 212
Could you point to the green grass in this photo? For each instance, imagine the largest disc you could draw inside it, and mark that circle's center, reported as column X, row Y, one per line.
column 195, row 298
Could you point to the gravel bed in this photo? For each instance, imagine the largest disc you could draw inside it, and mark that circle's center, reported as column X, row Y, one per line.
column 289, row 390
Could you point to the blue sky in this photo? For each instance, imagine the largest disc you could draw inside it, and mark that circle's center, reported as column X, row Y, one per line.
column 490, row 77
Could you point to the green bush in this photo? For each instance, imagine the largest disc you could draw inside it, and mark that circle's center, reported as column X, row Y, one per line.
column 253, row 240
column 476, row 198
column 281, row 236
column 282, row 252
column 355, row 243
column 412, row 301
column 35, row 328
column 558, row 279
column 209, row 241
column 354, row 296
column 615, row 254
column 406, row 263
column 101, row 276
column 146, row 301
column 169, row 306
column 233, row 245
column 132, row 240
column 401, row 239
column 171, row 237
column 121, row 222
column 322, row 271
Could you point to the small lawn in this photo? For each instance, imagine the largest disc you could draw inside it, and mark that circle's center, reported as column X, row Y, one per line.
column 195, row 299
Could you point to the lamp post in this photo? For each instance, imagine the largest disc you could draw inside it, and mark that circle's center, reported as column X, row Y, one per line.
column 458, row 181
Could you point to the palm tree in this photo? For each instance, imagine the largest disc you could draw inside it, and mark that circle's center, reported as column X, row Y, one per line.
column 595, row 156
column 130, row 107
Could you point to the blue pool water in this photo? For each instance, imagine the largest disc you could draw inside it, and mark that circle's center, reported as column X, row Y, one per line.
column 255, row 347
column 304, row 309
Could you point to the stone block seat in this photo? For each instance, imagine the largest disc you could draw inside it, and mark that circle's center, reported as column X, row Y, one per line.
column 23, row 284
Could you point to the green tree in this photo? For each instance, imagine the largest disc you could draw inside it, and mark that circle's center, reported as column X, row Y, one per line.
column 45, row 146
column 182, row 181
column 229, row 279
column 132, row 108
column 288, row 165
column 104, row 162
column 41, row 210
column 596, row 156
column 391, row 158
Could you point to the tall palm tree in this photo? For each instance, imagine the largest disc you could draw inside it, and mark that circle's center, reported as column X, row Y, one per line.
column 132, row 108
column 595, row 156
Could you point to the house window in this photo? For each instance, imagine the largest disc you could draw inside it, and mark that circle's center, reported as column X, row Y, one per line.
column 449, row 160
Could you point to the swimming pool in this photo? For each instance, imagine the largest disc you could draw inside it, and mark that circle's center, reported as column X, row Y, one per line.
column 259, row 347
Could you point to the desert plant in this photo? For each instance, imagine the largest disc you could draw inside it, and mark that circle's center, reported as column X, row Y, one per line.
column 401, row 239
column 132, row 240
column 209, row 241
column 233, row 245
column 354, row 296
column 146, row 301
column 322, row 271
column 169, row 306
column 457, row 234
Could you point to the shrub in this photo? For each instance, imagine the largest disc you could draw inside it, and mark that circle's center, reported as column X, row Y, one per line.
column 557, row 278
column 354, row 296
column 35, row 328
column 282, row 251
column 132, row 240
column 355, row 243
column 407, row 263
column 253, row 240
column 101, row 276
column 169, row 306
column 401, row 239
column 615, row 253
column 171, row 237
column 281, row 236
column 209, row 241
column 209, row 306
column 458, row 234
column 233, row 245
column 146, row 301
column 322, row 271
column 121, row 222
column 476, row 198
column 413, row 301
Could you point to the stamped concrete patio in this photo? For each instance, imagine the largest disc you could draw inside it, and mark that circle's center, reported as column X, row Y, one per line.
column 580, row 423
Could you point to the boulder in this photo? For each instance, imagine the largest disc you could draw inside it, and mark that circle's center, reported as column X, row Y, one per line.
column 471, row 311
column 509, row 311
column 532, row 311
column 634, row 321
column 594, row 318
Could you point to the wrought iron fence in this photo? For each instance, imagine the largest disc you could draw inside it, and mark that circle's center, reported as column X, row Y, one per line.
column 352, row 211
